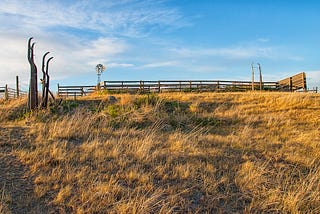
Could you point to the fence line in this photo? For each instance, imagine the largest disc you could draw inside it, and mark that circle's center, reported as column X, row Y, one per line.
column 11, row 93
column 183, row 85
column 165, row 86
column 293, row 83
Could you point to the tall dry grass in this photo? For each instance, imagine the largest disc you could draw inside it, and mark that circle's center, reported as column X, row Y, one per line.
column 177, row 153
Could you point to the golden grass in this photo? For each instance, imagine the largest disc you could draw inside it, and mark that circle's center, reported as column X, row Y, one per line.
column 176, row 153
column 5, row 200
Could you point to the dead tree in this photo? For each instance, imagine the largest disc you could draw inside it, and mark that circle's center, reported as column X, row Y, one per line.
column 47, row 84
column 43, row 80
column 33, row 87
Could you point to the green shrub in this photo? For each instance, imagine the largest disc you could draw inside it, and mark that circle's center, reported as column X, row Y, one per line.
column 113, row 110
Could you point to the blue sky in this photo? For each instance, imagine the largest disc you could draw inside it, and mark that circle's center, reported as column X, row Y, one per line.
column 161, row 39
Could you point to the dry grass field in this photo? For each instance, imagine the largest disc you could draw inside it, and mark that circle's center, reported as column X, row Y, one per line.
column 165, row 153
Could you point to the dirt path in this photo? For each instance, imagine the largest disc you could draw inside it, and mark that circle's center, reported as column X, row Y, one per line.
column 16, row 187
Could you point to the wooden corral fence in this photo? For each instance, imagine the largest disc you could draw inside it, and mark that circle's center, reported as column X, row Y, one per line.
column 10, row 93
column 182, row 86
column 75, row 91
column 294, row 83
column 165, row 86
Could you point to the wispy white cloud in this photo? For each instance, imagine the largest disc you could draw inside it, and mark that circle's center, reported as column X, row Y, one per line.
column 237, row 52
column 119, row 65
column 160, row 64
column 122, row 17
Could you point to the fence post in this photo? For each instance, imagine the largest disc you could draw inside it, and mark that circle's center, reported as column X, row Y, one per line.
column 260, row 72
column 159, row 87
column 304, row 81
column 6, row 93
column 17, row 86
column 58, row 90
column 142, row 86
column 252, row 84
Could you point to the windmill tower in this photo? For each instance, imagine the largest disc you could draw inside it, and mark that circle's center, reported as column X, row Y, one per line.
column 99, row 69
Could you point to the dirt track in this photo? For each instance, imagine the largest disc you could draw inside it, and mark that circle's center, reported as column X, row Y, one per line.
column 16, row 184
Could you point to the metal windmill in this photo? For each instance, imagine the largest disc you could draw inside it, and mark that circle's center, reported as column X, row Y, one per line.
column 100, row 68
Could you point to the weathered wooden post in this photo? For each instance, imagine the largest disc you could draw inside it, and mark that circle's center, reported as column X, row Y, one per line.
column 304, row 80
column 159, row 87
column 17, row 86
column 98, row 87
column 261, row 87
column 6, row 93
column 140, row 86
column 252, row 84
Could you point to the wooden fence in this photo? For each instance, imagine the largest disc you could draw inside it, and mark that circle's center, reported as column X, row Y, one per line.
column 182, row 86
column 294, row 83
column 10, row 93
column 75, row 91
column 165, row 86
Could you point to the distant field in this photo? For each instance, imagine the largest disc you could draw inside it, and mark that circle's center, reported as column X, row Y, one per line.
column 163, row 153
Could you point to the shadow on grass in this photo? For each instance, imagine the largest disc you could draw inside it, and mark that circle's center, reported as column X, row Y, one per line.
column 15, row 179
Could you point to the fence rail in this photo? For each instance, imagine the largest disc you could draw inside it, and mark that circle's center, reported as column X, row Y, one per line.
column 165, row 86
column 182, row 85
column 75, row 91
column 293, row 83
column 10, row 93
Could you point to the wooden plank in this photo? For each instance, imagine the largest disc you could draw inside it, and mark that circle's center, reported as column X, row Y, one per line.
column 77, row 86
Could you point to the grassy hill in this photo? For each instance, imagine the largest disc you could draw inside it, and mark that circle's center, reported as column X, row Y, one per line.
column 166, row 153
